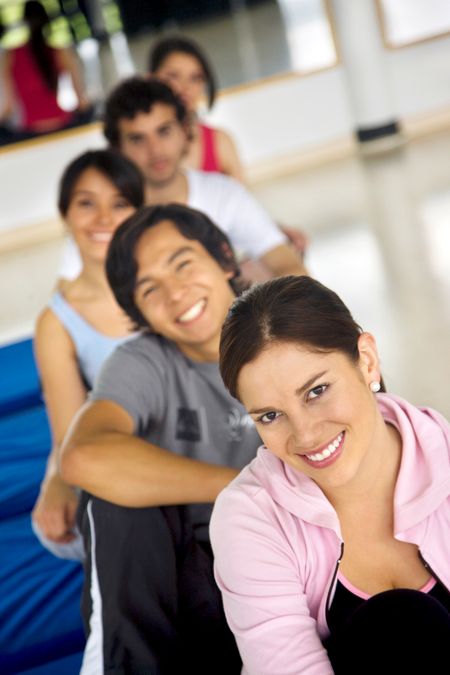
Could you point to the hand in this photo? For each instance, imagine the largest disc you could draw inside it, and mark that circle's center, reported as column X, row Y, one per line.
column 55, row 510
column 298, row 239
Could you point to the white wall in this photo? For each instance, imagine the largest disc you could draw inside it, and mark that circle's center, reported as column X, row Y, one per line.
column 29, row 176
column 295, row 114
column 281, row 117
column 420, row 77
column 286, row 115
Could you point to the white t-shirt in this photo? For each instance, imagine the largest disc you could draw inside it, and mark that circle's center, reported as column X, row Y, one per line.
column 230, row 206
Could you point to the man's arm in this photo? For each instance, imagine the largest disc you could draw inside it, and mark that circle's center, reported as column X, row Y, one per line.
column 101, row 455
column 283, row 260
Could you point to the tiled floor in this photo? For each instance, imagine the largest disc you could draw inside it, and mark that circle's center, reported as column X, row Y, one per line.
column 380, row 236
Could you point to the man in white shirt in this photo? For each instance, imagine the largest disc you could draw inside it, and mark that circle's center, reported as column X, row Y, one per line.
column 147, row 122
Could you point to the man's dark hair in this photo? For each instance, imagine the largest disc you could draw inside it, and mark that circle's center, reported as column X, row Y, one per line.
column 121, row 265
column 182, row 45
column 119, row 170
column 137, row 95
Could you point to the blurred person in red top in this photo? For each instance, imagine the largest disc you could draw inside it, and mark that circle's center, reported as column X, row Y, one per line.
column 29, row 79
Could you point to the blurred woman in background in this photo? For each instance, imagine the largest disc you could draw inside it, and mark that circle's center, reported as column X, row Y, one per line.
column 82, row 324
column 182, row 64
column 29, row 79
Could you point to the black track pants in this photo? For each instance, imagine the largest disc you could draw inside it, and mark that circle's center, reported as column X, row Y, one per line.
column 150, row 603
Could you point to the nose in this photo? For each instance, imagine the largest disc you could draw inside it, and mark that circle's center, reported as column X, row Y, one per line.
column 147, row 150
column 105, row 217
column 185, row 86
column 153, row 146
column 174, row 290
column 305, row 432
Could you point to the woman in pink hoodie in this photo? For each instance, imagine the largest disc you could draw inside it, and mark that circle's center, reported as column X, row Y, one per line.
column 332, row 547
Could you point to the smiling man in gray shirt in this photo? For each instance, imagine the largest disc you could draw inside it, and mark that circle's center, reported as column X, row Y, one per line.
column 158, row 440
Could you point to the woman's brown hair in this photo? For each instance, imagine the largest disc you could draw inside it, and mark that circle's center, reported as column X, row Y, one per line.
column 288, row 309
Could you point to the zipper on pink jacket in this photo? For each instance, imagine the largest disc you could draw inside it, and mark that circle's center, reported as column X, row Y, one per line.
column 333, row 579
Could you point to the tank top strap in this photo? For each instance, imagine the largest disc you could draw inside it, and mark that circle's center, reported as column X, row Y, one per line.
column 209, row 159
column 91, row 346
column 69, row 317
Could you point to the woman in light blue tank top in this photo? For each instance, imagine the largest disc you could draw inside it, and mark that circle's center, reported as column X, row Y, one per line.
column 82, row 324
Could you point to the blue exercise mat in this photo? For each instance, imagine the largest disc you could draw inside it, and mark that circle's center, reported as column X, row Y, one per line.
column 24, row 446
column 39, row 600
column 40, row 622
column 20, row 386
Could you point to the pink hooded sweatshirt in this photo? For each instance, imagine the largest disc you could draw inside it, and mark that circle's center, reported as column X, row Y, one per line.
column 277, row 543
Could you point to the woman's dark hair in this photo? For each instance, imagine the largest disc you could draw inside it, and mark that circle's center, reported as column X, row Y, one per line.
column 137, row 95
column 288, row 309
column 115, row 167
column 180, row 44
column 121, row 265
column 37, row 19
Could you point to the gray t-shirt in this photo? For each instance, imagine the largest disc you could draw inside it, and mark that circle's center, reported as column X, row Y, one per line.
column 180, row 405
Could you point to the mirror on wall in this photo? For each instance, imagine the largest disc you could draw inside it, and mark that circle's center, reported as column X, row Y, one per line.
column 406, row 22
column 256, row 39
column 246, row 40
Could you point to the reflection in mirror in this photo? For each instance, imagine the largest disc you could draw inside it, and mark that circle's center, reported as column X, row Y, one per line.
column 250, row 41
column 246, row 40
column 405, row 22
column 42, row 84
column 309, row 35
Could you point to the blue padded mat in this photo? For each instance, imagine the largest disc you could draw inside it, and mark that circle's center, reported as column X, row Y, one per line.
column 20, row 385
column 24, row 447
column 39, row 600
column 70, row 665
column 40, row 623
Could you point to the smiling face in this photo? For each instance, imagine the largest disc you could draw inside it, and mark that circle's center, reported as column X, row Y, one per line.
column 181, row 290
column 156, row 142
column 96, row 209
column 315, row 411
column 185, row 75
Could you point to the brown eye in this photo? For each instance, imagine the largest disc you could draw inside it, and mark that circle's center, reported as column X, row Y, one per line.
column 316, row 392
column 269, row 417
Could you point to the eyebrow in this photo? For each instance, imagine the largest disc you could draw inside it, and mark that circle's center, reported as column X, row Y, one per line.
column 298, row 392
column 179, row 252
column 93, row 192
column 133, row 134
column 167, row 123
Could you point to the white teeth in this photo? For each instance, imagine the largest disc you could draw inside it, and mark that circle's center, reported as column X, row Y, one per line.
column 193, row 312
column 326, row 452
column 101, row 236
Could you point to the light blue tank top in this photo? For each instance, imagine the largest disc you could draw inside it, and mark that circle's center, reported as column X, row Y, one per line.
column 92, row 347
